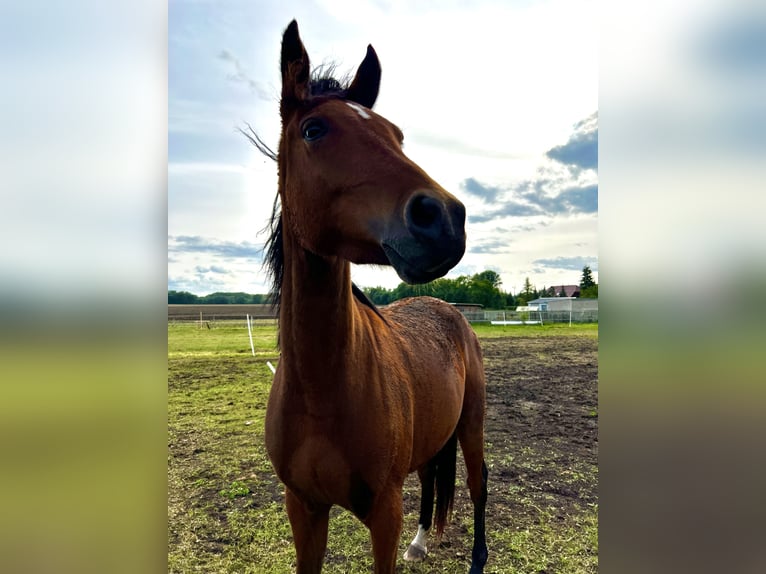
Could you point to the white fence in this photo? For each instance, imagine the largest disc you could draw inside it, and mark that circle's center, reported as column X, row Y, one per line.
column 534, row 317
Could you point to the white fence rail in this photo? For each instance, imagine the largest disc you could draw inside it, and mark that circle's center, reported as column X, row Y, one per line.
column 533, row 317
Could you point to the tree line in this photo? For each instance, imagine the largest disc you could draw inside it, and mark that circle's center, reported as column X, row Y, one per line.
column 481, row 288
column 186, row 298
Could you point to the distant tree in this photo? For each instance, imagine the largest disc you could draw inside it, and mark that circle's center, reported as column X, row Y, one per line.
column 590, row 293
column 489, row 276
column 403, row 290
column 587, row 279
column 443, row 289
column 241, row 298
column 563, row 292
column 181, row 298
column 528, row 292
column 461, row 288
column 483, row 289
column 588, row 287
column 378, row 295
column 216, row 299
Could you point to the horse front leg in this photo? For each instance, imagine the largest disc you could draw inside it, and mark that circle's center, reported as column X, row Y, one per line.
column 309, row 525
column 385, row 524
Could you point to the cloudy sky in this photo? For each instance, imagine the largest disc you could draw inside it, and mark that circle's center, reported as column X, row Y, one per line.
column 498, row 102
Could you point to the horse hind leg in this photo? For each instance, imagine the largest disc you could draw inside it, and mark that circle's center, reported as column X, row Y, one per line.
column 472, row 444
column 479, row 553
column 418, row 548
column 438, row 476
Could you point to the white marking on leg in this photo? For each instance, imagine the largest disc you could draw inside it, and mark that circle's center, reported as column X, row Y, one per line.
column 358, row 109
column 421, row 538
column 418, row 548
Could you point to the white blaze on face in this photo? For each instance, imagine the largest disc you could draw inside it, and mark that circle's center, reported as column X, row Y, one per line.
column 358, row 109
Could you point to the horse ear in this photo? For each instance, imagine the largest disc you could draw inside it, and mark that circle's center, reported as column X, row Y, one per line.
column 295, row 68
column 364, row 89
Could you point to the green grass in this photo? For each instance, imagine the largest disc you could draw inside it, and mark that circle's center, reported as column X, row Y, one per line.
column 225, row 505
column 488, row 331
column 221, row 338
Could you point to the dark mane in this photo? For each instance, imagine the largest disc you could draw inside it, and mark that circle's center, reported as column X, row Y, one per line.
column 274, row 259
column 322, row 83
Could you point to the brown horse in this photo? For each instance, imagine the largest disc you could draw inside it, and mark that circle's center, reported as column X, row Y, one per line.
column 363, row 397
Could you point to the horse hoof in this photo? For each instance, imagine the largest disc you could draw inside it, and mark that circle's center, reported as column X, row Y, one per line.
column 415, row 553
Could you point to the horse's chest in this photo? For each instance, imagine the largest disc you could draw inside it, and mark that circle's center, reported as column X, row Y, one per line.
column 322, row 460
column 323, row 472
column 316, row 467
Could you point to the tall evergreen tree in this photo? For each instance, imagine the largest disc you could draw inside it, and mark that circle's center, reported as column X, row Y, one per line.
column 588, row 287
column 587, row 278
column 528, row 291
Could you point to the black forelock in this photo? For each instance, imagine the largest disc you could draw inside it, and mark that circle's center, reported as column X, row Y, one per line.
column 323, row 81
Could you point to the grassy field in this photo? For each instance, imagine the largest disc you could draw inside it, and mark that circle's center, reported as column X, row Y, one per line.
column 225, row 506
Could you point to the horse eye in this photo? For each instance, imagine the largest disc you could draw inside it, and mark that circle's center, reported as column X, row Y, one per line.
column 313, row 129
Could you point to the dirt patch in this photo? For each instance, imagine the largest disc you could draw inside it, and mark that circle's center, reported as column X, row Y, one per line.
column 542, row 410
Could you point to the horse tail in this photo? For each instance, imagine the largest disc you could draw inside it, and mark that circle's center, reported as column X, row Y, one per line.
column 445, row 461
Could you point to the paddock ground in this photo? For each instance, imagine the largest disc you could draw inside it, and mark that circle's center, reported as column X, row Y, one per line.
column 225, row 510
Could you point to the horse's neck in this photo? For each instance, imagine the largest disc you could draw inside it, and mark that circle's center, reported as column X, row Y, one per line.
column 317, row 312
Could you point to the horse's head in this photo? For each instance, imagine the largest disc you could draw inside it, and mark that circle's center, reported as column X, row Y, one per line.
column 346, row 187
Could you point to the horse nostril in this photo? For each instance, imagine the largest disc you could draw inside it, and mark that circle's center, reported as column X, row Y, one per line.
column 457, row 215
column 424, row 216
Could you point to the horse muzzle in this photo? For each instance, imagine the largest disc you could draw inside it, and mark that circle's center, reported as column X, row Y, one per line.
column 434, row 241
